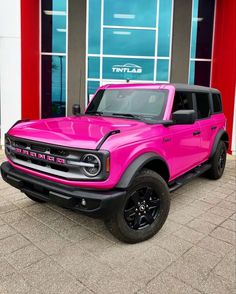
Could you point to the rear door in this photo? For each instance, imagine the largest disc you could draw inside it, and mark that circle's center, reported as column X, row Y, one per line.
column 205, row 122
column 185, row 153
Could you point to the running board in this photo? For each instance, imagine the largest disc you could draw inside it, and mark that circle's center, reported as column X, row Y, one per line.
column 197, row 171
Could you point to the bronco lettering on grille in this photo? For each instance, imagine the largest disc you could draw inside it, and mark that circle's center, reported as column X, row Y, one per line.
column 40, row 156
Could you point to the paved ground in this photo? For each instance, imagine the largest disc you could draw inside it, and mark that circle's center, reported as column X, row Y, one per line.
column 46, row 249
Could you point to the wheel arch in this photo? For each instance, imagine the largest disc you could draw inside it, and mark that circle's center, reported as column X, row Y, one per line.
column 222, row 135
column 148, row 160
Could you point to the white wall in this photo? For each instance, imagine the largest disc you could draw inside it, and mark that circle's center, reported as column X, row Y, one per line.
column 10, row 64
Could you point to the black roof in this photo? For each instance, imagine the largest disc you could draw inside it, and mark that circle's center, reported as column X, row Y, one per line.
column 186, row 87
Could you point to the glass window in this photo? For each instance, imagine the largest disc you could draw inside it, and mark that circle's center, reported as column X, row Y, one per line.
column 136, row 13
column 203, row 105
column 131, row 101
column 202, row 29
column 94, row 29
column 93, row 67
column 200, row 73
column 217, row 104
column 182, row 101
column 128, row 68
column 164, row 27
column 92, row 88
column 129, row 42
column 162, row 70
column 53, row 86
column 54, row 15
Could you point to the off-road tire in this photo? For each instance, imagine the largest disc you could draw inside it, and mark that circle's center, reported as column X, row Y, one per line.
column 118, row 224
column 218, row 162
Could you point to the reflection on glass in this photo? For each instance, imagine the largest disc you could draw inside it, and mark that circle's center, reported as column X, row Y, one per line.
column 93, row 67
column 162, row 70
column 92, row 88
column 53, row 86
column 202, row 28
column 135, row 13
column 128, row 68
column 94, row 26
column 54, row 15
column 164, row 27
column 129, row 42
column 200, row 73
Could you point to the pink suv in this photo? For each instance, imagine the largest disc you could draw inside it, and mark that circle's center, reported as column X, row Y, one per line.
column 121, row 159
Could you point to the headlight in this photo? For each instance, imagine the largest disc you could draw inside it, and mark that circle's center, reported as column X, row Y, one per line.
column 91, row 165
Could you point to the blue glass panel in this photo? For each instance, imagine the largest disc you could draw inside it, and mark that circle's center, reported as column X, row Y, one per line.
column 127, row 68
column 54, row 14
column 94, row 26
column 53, row 86
column 129, row 42
column 162, row 70
column 164, row 27
column 137, row 13
column 92, row 88
column 94, row 67
column 194, row 28
column 192, row 73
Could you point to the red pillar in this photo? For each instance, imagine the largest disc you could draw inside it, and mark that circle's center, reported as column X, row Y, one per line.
column 30, row 59
column 224, row 57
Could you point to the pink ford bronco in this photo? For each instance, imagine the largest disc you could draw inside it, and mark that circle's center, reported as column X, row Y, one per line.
column 121, row 159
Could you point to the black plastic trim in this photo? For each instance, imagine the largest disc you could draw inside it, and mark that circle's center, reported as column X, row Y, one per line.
column 218, row 138
column 100, row 203
column 135, row 167
column 111, row 133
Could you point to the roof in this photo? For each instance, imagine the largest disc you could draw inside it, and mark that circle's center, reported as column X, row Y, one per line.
column 178, row 87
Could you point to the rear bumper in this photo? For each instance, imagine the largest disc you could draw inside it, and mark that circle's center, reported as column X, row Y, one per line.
column 98, row 203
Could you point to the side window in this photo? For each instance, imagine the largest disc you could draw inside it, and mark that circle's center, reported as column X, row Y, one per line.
column 217, row 104
column 182, row 100
column 203, row 105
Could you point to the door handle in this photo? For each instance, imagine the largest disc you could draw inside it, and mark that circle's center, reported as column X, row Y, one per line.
column 196, row 133
column 213, row 128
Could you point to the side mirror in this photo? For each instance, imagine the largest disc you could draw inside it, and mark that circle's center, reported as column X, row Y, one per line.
column 183, row 117
column 76, row 109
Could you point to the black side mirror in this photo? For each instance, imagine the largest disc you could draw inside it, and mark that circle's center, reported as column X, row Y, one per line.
column 76, row 109
column 183, row 117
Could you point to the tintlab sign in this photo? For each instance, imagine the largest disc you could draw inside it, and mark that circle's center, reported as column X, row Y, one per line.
column 127, row 68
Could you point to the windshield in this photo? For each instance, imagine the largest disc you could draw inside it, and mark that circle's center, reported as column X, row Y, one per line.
column 133, row 103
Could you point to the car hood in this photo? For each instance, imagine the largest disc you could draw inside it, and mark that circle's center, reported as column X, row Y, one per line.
column 79, row 132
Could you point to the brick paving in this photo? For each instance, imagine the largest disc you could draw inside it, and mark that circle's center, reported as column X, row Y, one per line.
column 47, row 249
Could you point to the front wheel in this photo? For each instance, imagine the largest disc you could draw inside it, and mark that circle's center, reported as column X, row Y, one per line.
column 144, row 209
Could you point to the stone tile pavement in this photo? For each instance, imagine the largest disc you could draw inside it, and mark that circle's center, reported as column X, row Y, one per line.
column 47, row 249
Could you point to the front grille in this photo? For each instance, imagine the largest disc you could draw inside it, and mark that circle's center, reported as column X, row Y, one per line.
column 36, row 155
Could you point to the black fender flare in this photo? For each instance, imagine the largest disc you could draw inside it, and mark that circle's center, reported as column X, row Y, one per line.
column 136, row 165
column 221, row 135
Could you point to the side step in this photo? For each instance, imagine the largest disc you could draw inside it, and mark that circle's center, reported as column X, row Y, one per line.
column 197, row 171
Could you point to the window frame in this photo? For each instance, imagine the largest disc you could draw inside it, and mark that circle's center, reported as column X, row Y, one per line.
column 212, row 104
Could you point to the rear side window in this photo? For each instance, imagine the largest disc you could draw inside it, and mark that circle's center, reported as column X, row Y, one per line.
column 203, row 105
column 217, row 104
column 182, row 100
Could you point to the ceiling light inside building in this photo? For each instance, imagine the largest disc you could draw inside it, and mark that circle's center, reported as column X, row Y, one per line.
column 199, row 19
column 124, row 16
column 55, row 12
column 61, row 30
column 121, row 33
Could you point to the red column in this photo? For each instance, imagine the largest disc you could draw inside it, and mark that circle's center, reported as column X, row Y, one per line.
column 224, row 57
column 30, row 59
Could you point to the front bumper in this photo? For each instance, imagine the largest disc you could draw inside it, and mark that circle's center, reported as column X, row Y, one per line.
column 99, row 203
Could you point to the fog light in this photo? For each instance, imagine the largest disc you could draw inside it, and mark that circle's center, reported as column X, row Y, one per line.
column 83, row 202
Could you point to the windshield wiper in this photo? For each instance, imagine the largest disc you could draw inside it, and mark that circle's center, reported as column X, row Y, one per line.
column 94, row 113
column 136, row 116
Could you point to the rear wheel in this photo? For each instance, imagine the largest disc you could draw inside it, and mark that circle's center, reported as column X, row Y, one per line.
column 218, row 162
column 144, row 209
column 34, row 198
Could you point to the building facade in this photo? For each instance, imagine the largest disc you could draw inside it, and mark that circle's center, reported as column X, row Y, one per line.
column 54, row 53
